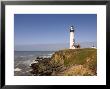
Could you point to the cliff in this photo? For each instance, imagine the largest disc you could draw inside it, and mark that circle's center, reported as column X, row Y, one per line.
column 68, row 62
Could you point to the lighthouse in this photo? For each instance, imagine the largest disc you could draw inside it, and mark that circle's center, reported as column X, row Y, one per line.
column 72, row 40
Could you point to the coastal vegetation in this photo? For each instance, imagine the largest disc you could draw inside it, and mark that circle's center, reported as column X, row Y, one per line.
column 68, row 62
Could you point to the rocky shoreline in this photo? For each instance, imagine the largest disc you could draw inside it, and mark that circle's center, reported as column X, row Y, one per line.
column 44, row 67
column 25, row 67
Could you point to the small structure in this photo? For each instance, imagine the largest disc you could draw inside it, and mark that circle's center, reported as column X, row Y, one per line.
column 77, row 46
column 93, row 46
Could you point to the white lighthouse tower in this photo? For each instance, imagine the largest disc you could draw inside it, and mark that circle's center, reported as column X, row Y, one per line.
column 72, row 40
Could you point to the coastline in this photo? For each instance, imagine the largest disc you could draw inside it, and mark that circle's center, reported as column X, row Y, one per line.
column 67, row 62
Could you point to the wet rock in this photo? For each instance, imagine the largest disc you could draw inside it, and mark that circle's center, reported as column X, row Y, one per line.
column 45, row 67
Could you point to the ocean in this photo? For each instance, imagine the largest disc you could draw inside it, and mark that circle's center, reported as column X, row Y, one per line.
column 23, row 59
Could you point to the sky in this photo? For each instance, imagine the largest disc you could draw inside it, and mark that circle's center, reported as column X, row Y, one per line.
column 52, row 29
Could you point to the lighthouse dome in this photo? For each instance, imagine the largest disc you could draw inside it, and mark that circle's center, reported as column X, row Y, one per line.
column 72, row 29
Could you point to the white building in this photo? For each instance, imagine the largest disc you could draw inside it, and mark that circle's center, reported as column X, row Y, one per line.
column 72, row 40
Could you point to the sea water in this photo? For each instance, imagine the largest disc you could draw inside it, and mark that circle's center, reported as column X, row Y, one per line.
column 22, row 60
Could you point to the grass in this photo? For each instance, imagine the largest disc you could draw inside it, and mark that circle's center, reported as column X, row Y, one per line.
column 76, row 56
column 85, row 59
